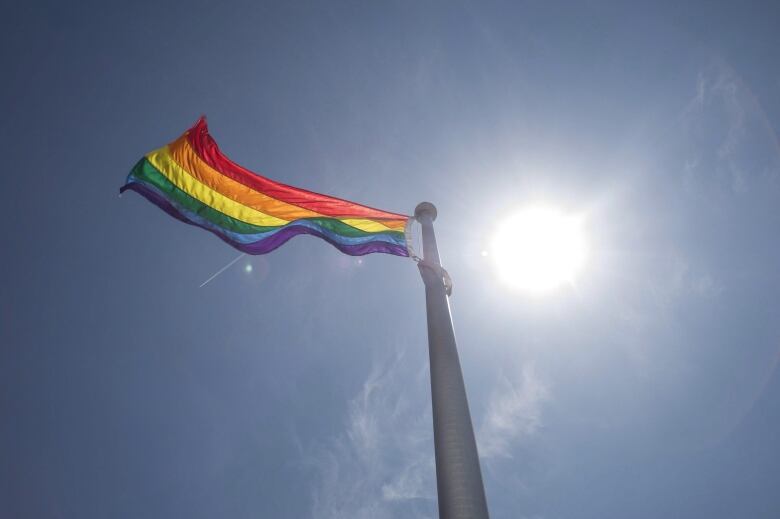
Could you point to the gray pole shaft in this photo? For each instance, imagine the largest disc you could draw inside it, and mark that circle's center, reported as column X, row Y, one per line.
column 458, row 476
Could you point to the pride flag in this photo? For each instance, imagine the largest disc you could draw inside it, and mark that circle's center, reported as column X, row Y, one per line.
column 194, row 181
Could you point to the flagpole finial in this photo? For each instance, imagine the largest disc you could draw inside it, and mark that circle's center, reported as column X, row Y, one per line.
column 425, row 211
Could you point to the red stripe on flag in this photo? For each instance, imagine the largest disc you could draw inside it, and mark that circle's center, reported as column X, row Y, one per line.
column 205, row 146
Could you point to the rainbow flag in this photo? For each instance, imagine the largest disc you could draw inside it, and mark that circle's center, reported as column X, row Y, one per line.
column 194, row 181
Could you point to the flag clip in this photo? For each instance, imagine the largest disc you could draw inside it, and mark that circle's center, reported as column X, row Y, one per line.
column 440, row 273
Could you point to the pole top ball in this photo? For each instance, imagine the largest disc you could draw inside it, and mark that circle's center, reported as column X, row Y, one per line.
column 425, row 210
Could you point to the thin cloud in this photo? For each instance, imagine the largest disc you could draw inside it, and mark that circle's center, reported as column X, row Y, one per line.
column 731, row 138
column 514, row 413
column 381, row 466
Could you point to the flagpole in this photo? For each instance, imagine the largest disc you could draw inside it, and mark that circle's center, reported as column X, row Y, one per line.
column 458, row 476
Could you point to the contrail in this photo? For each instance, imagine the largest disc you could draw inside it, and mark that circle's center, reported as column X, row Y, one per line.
column 223, row 269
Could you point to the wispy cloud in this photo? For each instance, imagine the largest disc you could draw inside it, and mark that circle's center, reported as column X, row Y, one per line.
column 382, row 465
column 514, row 413
column 730, row 135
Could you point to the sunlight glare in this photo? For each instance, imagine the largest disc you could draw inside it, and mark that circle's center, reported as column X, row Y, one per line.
column 539, row 249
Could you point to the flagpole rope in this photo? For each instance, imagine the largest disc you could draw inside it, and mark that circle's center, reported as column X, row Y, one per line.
column 223, row 269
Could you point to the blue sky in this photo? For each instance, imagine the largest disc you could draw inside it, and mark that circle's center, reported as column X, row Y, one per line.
column 300, row 388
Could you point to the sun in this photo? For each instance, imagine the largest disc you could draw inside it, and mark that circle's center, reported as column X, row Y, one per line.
column 539, row 249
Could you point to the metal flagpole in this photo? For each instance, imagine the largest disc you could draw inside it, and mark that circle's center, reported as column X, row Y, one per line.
column 458, row 476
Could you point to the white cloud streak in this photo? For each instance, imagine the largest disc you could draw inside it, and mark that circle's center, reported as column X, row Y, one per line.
column 731, row 136
column 382, row 465
column 514, row 413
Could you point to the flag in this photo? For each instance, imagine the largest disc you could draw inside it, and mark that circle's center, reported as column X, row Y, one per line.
column 192, row 180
